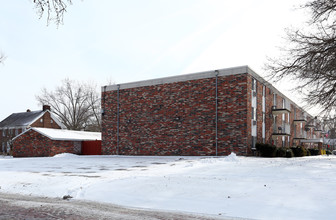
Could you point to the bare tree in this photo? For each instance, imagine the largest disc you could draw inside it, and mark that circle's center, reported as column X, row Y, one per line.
column 2, row 58
column 53, row 8
column 329, row 124
column 310, row 56
column 76, row 104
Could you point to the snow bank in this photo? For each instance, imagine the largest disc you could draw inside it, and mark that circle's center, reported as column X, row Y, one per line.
column 5, row 157
column 245, row 187
column 66, row 155
column 232, row 157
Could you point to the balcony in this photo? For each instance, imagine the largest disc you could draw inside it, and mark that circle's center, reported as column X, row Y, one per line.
column 301, row 136
column 281, row 130
column 300, row 120
column 313, row 140
column 318, row 128
column 310, row 125
column 283, row 110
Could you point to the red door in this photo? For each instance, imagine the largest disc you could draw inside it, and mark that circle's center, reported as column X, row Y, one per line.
column 91, row 148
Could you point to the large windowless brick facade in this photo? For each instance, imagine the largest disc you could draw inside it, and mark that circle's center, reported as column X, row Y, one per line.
column 209, row 113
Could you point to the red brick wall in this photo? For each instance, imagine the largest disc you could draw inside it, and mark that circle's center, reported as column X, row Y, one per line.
column 249, row 112
column 46, row 122
column 178, row 118
column 33, row 144
column 259, row 112
column 269, row 116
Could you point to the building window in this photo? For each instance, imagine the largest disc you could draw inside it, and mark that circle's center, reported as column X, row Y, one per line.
column 254, row 114
column 254, row 85
column 264, row 91
column 16, row 132
column 275, row 99
column 51, row 121
column 41, row 120
column 3, row 133
column 254, row 141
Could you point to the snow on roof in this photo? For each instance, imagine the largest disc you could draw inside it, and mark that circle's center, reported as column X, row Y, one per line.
column 68, row 135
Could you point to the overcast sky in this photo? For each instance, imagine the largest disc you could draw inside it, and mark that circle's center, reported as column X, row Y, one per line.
column 132, row 40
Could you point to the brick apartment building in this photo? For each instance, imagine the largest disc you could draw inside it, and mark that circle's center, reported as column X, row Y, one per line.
column 207, row 113
column 17, row 123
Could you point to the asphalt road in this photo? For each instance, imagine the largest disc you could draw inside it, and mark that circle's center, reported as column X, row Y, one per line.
column 19, row 207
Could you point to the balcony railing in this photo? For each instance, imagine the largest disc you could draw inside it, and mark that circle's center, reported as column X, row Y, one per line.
column 283, row 129
column 318, row 128
column 302, row 135
column 300, row 119
column 281, row 110
column 311, row 124
column 312, row 140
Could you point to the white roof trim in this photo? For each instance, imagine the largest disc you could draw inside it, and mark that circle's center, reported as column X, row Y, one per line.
column 56, row 120
column 35, row 119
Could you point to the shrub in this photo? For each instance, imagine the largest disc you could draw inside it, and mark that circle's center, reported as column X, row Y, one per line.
column 266, row 150
column 328, row 152
column 284, row 152
column 281, row 152
column 299, row 151
column 289, row 153
column 314, row 151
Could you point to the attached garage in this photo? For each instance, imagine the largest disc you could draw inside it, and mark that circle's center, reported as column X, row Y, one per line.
column 45, row 142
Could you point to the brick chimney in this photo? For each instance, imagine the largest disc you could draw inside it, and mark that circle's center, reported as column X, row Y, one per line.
column 28, row 110
column 46, row 107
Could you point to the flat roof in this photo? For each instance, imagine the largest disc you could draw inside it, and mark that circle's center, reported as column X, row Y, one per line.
column 181, row 78
column 200, row 75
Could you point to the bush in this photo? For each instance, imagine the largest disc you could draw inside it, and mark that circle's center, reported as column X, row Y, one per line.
column 284, row 152
column 289, row 153
column 299, row 151
column 308, row 152
column 281, row 152
column 314, row 151
column 266, row 150
column 328, row 152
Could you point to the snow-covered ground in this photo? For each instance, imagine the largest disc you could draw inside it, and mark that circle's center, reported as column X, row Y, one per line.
column 259, row 188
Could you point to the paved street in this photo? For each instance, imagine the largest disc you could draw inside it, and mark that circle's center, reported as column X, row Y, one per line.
column 20, row 207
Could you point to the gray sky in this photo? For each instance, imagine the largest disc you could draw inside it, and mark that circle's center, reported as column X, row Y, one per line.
column 131, row 40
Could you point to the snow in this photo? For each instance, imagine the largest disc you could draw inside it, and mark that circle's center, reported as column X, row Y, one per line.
column 246, row 187
column 62, row 134
column 66, row 155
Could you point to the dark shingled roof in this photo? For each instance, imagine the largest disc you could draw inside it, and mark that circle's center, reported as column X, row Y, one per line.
column 21, row 119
